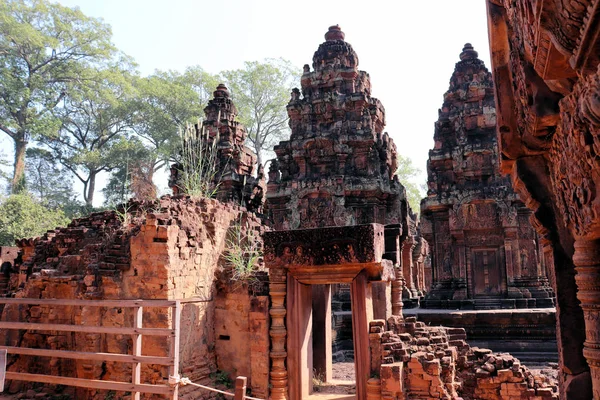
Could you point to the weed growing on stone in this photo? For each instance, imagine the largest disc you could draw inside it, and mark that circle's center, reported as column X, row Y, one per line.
column 242, row 252
column 221, row 378
column 199, row 161
column 123, row 214
column 318, row 380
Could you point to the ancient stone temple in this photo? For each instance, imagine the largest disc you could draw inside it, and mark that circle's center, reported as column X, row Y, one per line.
column 148, row 302
column 235, row 162
column 338, row 167
column 545, row 60
column 485, row 253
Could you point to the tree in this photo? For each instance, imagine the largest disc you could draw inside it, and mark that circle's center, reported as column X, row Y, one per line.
column 132, row 177
column 51, row 185
column 43, row 48
column 93, row 119
column 21, row 216
column 261, row 92
column 407, row 174
column 165, row 103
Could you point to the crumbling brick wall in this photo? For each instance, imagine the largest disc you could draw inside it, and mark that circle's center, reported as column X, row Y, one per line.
column 414, row 361
column 242, row 331
column 165, row 249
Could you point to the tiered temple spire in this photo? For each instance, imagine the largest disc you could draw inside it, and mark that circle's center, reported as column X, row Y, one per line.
column 485, row 252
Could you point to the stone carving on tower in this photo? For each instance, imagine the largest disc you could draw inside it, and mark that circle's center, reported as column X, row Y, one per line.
column 485, row 253
column 234, row 178
column 338, row 166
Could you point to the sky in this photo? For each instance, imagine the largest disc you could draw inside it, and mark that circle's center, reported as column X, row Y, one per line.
column 409, row 48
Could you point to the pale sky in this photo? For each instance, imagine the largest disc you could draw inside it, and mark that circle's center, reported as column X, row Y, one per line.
column 409, row 48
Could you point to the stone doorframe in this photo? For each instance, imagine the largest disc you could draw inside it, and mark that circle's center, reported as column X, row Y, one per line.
column 301, row 258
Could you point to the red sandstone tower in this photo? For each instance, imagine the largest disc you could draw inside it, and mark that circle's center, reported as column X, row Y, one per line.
column 235, row 161
column 485, row 252
column 338, row 167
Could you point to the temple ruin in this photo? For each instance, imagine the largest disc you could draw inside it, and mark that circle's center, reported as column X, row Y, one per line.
column 230, row 164
column 152, row 297
column 485, row 253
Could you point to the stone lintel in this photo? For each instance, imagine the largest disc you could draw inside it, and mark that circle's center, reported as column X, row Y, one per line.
column 342, row 248
column 342, row 273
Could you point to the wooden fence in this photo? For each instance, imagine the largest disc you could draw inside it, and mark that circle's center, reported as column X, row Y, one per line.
column 137, row 332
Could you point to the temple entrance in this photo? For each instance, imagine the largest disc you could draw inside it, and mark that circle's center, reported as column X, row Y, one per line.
column 301, row 260
column 333, row 347
column 310, row 357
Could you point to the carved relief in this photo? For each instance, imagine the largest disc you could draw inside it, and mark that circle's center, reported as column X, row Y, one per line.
column 574, row 157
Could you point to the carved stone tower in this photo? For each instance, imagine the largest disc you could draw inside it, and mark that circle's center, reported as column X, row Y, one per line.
column 338, row 167
column 235, row 161
column 484, row 250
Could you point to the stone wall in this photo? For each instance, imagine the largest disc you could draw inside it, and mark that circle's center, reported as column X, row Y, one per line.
column 242, row 334
column 166, row 249
column 416, row 361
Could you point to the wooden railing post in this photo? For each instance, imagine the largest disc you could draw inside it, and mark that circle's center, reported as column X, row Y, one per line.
column 240, row 388
column 136, row 369
column 176, row 326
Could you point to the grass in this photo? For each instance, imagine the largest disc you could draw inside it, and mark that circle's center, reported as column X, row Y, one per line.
column 199, row 161
column 242, row 252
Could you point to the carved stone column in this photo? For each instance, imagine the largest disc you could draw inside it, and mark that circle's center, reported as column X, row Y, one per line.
column 278, row 333
column 460, row 273
column 397, row 286
column 587, row 266
column 407, row 248
column 393, row 253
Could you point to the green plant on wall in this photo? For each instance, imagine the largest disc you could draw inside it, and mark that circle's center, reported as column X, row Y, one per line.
column 242, row 251
column 199, row 174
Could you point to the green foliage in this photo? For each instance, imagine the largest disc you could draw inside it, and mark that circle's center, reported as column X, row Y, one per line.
column 261, row 92
column 47, row 182
column 21, row 216
column 242, row 252
column 221, row 378
column 200, row 175
column 45, row 49
column 407, row 174
column 130, row 156
column 93, row 120
column 165, row 103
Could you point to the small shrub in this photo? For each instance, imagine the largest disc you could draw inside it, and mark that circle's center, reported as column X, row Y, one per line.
column 318, row 381
column 242, row 252
column 221, row 378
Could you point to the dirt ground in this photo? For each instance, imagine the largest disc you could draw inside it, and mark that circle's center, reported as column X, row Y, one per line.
column 342, row 383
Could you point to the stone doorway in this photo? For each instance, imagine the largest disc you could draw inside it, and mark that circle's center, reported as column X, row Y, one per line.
column 298, row 260
column 309, row 334
column 332, row 341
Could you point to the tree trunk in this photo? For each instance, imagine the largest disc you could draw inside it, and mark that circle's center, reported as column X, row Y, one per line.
column 18, row 180
column 258, row 155
column 89, row 196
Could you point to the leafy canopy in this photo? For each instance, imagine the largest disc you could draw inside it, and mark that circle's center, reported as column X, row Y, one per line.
column 408, row 174
column 261, row 92
column 44, row 49
column 21, row 216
